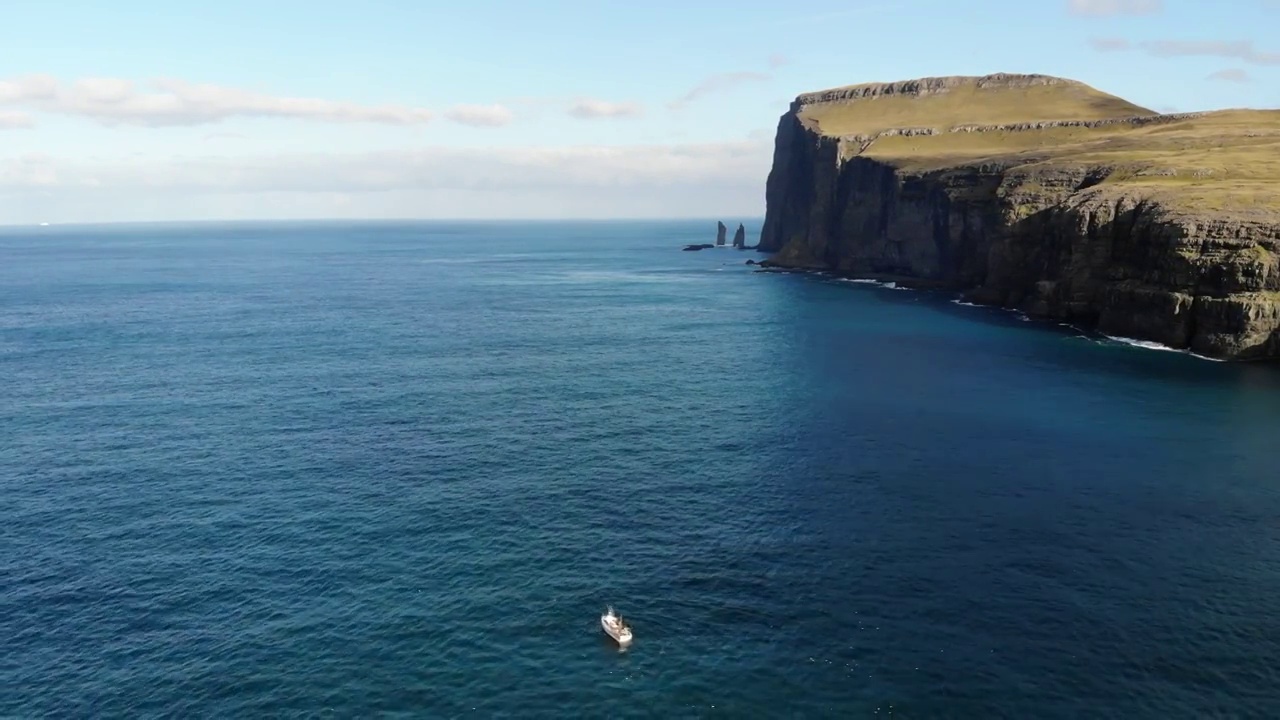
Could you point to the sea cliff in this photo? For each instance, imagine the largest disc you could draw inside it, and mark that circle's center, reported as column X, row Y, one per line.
column 1041, row 194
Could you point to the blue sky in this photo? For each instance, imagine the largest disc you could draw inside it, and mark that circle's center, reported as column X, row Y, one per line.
column 147, row 110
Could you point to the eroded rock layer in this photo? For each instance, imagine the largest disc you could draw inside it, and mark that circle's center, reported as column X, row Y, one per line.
column 1132, row 224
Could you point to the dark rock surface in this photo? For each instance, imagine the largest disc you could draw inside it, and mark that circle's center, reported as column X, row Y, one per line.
column 1047, row 238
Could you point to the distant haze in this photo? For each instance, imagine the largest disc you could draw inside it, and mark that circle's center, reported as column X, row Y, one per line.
column 142, row 110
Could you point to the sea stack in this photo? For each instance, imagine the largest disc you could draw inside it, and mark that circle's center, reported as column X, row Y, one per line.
column 740, row 237
column 721, row 230
column 1042, row 194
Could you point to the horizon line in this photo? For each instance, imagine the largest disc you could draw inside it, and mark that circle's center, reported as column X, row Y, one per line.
column 215, row 221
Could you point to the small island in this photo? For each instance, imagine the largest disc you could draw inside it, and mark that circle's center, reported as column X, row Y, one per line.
column 1042, row 194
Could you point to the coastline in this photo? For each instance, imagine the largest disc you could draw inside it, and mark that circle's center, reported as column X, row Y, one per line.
column 886, row 281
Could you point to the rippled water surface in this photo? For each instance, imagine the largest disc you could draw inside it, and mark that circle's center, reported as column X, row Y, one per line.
column 352, row 469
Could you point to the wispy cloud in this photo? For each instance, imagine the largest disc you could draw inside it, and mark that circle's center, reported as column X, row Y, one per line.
column 583, row 108
column 1238, row 49
column 168, row 102
column 589, row 109
column 213, row 137
column 718, row 83
column 30, row 171
column 776, row 61
column 10, row 119
column 435, row 167
column 28, row 88
column 1230, row 75
column 575, row 181
column 1108, row 8
column 1242, row 50
column 480, row 115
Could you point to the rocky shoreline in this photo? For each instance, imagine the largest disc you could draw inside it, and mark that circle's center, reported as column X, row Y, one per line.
column 917, row 285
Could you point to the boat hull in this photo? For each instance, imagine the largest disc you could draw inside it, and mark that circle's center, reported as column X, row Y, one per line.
column 620, row 634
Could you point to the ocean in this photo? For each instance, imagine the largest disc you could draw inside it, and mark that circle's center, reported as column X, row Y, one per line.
column 399, row 469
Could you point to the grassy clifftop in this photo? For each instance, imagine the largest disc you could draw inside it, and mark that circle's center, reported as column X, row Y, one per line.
column 946, row 102
column 1223, row 162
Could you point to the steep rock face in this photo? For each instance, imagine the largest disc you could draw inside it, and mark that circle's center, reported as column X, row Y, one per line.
column 740, row 237
column 721, row 231
column 1050, row 239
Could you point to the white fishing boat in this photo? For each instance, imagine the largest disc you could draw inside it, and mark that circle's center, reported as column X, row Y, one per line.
column 615, row 626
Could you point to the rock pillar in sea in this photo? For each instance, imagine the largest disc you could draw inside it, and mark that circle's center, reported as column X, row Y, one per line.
column 740, row 237
column 721, row 230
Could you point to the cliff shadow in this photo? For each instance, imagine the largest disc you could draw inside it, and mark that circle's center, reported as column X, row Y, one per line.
column 1070, row 347
column 1055, row 263
column 1266, row 352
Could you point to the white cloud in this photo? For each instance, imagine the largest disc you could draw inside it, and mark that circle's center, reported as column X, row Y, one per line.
column 578, row 181
column 589, row 109
column 117, row 101
column 480, row 115
column 28, row 88
column 1106, row 8
column 718, row 83
column 105, row 91
column 10, row 119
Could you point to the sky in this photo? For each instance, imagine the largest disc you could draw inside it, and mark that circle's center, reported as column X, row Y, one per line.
column 142, row 110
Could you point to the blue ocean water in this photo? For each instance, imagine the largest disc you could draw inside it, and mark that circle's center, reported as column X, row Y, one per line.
column 356, row 469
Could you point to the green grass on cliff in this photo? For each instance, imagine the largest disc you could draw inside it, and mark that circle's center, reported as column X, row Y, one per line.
column 1221, row 161
column 970, row 105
